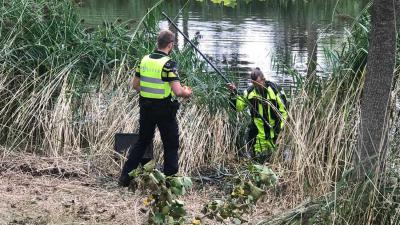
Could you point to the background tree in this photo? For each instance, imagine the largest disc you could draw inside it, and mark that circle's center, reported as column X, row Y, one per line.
column 377, row 87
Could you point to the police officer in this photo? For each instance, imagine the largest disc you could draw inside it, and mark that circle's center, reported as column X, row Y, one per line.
column 269, row 101
column 157, row 80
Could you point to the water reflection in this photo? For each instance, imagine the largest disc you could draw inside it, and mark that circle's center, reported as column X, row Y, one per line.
column 266, row 34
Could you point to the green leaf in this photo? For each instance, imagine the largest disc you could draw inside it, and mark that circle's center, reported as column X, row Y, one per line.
column 171, row 220
column 149, row 167
column 177, row 191
column 153, row 180
column 135, row 173
column 176, row 182
column 263, row 175
column 178, row 202
column 159, row 176
column 187, row 182
column 177, row 209
column 158, row 218
column 255, row 191
column 236, row 221
column 165, row 210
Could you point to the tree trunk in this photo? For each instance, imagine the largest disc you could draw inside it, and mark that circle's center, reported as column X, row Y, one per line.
column 372, row 141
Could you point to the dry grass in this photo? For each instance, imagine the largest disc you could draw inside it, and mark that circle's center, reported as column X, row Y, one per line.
column 44, row 190
column 47, row 200
column 70, row 178
column 321, row 139
column 86, row 126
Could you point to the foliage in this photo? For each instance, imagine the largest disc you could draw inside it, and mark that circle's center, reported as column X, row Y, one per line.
column 63, row 85
column 326, row 135
column 162, row 194
column 230, row 3
column 248, row 188
column 209, row 89
column 46, row 42
column 48, row 55
column 323, row 144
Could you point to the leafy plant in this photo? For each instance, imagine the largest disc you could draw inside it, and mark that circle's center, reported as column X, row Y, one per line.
column 162, row 193
column 248, row 188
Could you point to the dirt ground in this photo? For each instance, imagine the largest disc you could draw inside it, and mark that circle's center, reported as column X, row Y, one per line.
column 35, row 192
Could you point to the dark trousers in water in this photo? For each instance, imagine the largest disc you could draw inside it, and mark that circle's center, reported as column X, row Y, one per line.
column 160, row 113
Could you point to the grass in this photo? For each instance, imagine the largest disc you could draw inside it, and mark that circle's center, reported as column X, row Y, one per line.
column 321, row 136
column 60, row 190
column 63, row 92
column 67, row 92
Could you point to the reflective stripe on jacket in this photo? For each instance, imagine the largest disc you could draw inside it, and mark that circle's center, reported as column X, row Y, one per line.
column 151, row 84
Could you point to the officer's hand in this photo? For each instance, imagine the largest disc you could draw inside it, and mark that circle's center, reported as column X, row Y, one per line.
column 232, row 87
column 187, row 91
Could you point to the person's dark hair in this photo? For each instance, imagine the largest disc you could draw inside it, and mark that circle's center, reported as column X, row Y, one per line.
column 255, row 73
column 164, row 38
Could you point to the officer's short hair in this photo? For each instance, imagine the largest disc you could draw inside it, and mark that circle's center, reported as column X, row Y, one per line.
column 164, row 38
column 255, row 73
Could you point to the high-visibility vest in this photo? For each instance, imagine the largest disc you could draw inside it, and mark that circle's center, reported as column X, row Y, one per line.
column 151, row 84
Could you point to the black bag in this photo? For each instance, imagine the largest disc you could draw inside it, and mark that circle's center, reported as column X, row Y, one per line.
column 124, row 141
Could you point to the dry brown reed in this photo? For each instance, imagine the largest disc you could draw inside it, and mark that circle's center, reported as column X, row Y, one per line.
column 86, row 126
column 320, row 138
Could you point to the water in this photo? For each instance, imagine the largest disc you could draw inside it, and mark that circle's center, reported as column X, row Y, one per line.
column 267, row 34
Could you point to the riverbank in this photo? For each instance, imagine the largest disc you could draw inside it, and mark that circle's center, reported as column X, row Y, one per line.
column 41, row 190
column 64, row 99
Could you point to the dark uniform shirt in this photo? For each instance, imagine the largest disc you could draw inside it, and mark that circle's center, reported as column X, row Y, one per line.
column 169, row 72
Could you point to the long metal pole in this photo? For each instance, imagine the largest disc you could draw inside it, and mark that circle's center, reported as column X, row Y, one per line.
column 195, row 47
column 213, row 66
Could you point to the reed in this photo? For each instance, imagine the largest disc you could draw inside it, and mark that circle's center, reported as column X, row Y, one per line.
column 320, row 140
column 64, row 94
column 64, row 89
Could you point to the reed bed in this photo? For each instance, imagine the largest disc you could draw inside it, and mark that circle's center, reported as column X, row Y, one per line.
column 65, row 93
column 321, row 132
column 321, row 137
column 89, row 131
column 320, row 141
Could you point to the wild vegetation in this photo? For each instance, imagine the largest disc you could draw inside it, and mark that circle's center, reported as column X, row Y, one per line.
column 324, row 144
column 64, row 94
column 64, row 87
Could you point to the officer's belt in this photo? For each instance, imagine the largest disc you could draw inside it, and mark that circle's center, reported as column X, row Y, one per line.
column 152, row 101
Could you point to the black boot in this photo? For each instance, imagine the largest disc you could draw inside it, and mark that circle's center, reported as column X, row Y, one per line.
column 124, row 180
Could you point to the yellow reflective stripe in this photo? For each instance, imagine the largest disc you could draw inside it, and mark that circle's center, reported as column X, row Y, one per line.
column 151, row 95
column 171, row 74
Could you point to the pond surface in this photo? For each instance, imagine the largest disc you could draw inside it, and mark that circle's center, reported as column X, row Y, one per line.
column 270, row 34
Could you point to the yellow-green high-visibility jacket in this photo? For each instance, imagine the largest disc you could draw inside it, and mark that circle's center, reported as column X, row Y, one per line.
column 152, row 82
column 271, row 107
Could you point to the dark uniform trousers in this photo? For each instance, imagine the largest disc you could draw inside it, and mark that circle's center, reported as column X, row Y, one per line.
column 160, row 113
